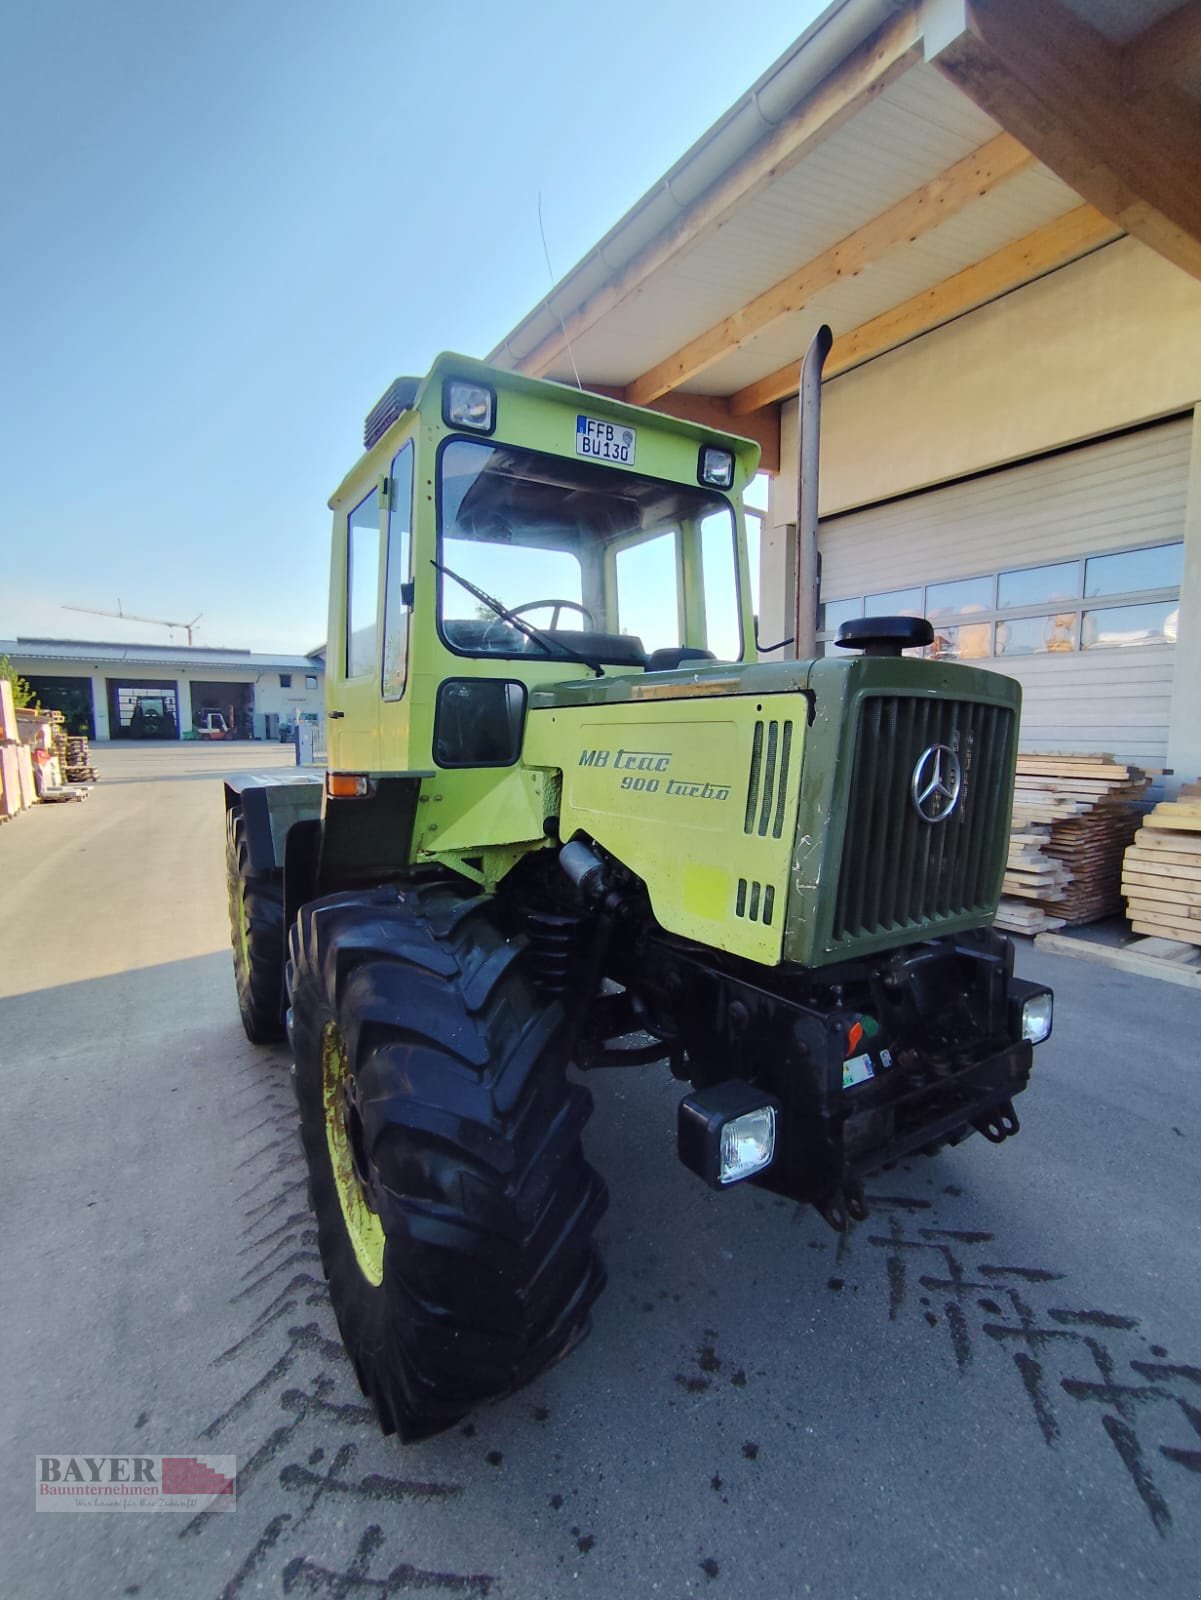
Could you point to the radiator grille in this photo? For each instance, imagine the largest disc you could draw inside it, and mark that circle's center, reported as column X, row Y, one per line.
column 899, row 871
column 767, row 784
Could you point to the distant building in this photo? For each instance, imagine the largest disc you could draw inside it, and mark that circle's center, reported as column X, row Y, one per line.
column 150, row 691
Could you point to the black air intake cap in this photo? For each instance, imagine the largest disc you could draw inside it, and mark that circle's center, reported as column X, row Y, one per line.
column 397, row 398
column 885, row 636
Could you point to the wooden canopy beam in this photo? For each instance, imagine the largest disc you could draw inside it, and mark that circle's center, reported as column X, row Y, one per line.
column 1059, row 86
column 866, row 73
column 1168, row 50
column 943, row 197
column 1065, row 239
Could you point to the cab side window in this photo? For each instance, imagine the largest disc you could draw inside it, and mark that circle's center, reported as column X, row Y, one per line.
column 723, row 625
column 647, row 592
column 362, row 587
column 400, row 559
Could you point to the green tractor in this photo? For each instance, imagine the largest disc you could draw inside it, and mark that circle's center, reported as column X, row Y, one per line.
column 570, row 818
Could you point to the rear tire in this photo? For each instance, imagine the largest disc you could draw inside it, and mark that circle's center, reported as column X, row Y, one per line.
column 454, row 1205
column 256, row 927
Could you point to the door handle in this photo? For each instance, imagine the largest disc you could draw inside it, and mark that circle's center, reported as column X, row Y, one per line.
column 333, row 715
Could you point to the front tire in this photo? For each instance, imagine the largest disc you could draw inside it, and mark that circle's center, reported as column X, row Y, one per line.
column 454, row 1206
column 256, row 928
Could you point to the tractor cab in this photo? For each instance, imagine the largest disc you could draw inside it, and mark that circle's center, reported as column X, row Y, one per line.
column 500, row 533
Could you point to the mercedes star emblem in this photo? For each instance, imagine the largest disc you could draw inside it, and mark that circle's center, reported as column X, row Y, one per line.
column 937, row 783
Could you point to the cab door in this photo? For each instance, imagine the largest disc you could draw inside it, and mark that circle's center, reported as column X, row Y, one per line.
column 353, row 694
column 395, row 701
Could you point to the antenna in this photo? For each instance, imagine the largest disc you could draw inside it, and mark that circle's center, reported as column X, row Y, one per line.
column 549, row 307
column 129, row 616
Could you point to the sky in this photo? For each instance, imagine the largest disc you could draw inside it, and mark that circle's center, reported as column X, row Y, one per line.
column 227, row 227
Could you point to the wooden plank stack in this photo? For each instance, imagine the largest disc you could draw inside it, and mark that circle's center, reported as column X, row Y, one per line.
column 1161, row 876
column 1073, row 817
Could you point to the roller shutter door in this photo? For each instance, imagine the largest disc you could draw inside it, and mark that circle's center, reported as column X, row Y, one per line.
column 1120, row 494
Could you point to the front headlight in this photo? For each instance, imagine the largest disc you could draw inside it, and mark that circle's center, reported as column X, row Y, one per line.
column 747, row 1144
column 1031, row 1011
column 727, row 1132
column 1036, row 1017
column 469, row 405
column 715, row 467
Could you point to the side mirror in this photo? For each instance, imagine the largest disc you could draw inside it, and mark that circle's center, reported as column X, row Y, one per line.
column 766, row 649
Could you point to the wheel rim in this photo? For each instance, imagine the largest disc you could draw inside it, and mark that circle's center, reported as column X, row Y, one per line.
column 342, row 1134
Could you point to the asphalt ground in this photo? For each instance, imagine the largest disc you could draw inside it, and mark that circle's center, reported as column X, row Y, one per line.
column 991, row 1388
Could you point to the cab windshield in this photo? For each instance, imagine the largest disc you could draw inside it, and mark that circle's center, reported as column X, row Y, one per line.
column 606, row 564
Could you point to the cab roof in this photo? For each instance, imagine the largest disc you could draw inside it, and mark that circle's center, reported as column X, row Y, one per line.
column 449, row 364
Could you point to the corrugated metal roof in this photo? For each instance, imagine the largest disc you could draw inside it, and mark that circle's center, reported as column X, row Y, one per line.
column 179, row 658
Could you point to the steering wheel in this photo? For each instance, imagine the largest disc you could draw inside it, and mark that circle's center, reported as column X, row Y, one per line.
column 557, row 606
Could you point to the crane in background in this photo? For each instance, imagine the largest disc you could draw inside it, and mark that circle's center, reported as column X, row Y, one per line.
column 128, row 616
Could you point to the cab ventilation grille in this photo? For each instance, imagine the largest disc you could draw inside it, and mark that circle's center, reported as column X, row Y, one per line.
column 755, row 901
column 767, row 786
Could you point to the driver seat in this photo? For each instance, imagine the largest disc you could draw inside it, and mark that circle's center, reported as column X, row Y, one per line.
column 674, row 656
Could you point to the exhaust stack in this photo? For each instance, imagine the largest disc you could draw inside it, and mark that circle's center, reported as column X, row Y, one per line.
column 809, row 442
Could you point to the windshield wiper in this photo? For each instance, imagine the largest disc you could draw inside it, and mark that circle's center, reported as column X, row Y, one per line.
column 547, row 640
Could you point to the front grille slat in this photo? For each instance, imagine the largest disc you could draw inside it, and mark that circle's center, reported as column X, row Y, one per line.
column 901, row 735
column 946, row 733
column 860, row 816
column 920, row 836
column 899, row 871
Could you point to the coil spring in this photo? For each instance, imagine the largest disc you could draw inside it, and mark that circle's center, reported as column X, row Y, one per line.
column 558, row 941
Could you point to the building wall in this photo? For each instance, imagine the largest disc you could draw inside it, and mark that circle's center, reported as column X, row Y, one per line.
column 1112, row 340
column 1109, row 342
column 269, row 696
column 288, row 704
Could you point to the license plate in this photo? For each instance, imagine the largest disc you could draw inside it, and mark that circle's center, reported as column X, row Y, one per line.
column 605, row 441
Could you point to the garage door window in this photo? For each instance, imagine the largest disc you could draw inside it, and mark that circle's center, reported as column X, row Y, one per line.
column 1038, row 586
column 1142, row 586
column 894, row 603
column 1130, row 570
column 1126, row 625
column 1031, row 636
column 965, row 595
column 832, row 615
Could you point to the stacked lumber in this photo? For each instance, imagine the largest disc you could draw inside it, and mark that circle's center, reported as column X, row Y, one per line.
column 1161, row 875
column 1073, row 817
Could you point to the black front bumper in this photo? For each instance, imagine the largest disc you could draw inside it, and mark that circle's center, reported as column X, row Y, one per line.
column 869, row 1063
column 919, row 1115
